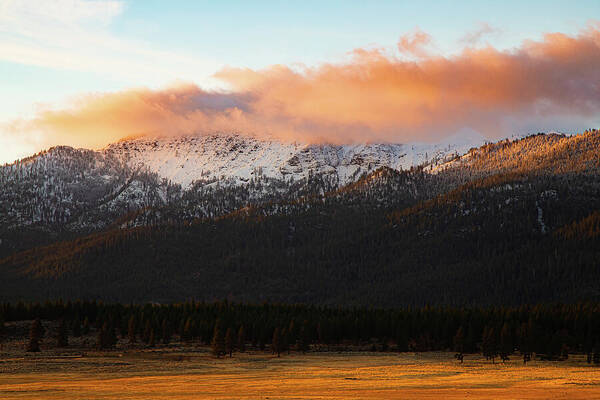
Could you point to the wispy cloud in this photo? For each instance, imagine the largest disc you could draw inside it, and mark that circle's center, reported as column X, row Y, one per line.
column 415, row 44
column 474, row 37
column 75, row 35
column 553, row 83
column 63, row 11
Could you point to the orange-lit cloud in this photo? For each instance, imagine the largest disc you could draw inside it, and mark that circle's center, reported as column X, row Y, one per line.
column 415, row 44
column 549, row 84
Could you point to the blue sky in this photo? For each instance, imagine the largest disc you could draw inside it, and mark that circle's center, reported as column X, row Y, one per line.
column 259, row 33
column 53, row 51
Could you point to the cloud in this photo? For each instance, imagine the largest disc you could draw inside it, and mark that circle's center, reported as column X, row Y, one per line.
column 474, row 37
column 65, row 11
column 75, row 35
column 553, row 83
column 415, row 44
column 97, row 119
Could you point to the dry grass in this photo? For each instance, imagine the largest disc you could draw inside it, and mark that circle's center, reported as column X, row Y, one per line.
column 172, row 374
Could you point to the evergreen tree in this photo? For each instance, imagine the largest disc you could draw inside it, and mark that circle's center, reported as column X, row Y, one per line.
column 166, row 332
column 401, row 338
column 489, row 345
column 111, row 337
column 285, row 341
column 218, row 341
column 276, row 342
column 596, row 353
column 123, row 325
column 506, row 346
column 85, row 329
column 589, row 345
column 152, row 340
column 1, row 329
column 291, row 334
column 186, row 334
column 62, row 336
column 471, row 339
column 147, row 331
column 554, row 346
column 107, row 336
column 100, row 339
column 131, row 329
column 459, row 344
column 35, row 334
column 525, row 339
column 302, row 344
column 76, row 327
column 241, row 340
column 229, row 342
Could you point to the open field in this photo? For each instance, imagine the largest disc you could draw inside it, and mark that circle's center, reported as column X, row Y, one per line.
column 155, row 374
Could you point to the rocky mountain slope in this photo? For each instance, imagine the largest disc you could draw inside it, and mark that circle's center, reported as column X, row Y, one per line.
column 65, row 190
column 237, row 158
column 512, row 221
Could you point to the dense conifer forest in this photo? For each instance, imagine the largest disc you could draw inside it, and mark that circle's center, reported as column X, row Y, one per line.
column 550, row 331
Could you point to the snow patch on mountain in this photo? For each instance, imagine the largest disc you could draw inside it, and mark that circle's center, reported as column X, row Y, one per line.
column 239, row 158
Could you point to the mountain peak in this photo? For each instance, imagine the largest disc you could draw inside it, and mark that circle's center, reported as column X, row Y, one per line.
column 240, row 158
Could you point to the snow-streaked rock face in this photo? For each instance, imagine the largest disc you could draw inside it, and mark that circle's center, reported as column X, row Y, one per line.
column 146, row 181
column 65, row 186
column 239, row 158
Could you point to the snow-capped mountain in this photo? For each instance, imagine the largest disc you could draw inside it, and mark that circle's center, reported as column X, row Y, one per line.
column 64, row 192
column 238, row 158
column 148, row 181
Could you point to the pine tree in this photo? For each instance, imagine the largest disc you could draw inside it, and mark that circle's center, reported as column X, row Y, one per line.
column 35, row 334
column 86, row 326
column 152, row 339
column 111, row 336
column 525, row 342
column 107, row 336
column 276, row 342
column 291, row 333
column 147, row 330
column 489, row 344
column 62, row 336
column 166, row 332
column 76, row 327
column 131, row 330
column 459, row 344
column 1, row 329
column 596, row 353
column 187, row 330
column 401, row 336
column 284, row 340
column 302, row 344
column 554, row 346
column 241, row 340
column 229, row 342
column 506, row 346
column 100, row 339
column 218, row 342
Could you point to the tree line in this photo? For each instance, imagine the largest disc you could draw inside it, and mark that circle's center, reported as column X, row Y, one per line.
column 546, row 331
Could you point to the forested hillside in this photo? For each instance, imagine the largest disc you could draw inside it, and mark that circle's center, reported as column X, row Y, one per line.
column 510, row 223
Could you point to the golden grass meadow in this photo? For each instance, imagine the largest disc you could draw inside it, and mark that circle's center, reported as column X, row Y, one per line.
column 195, row 374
